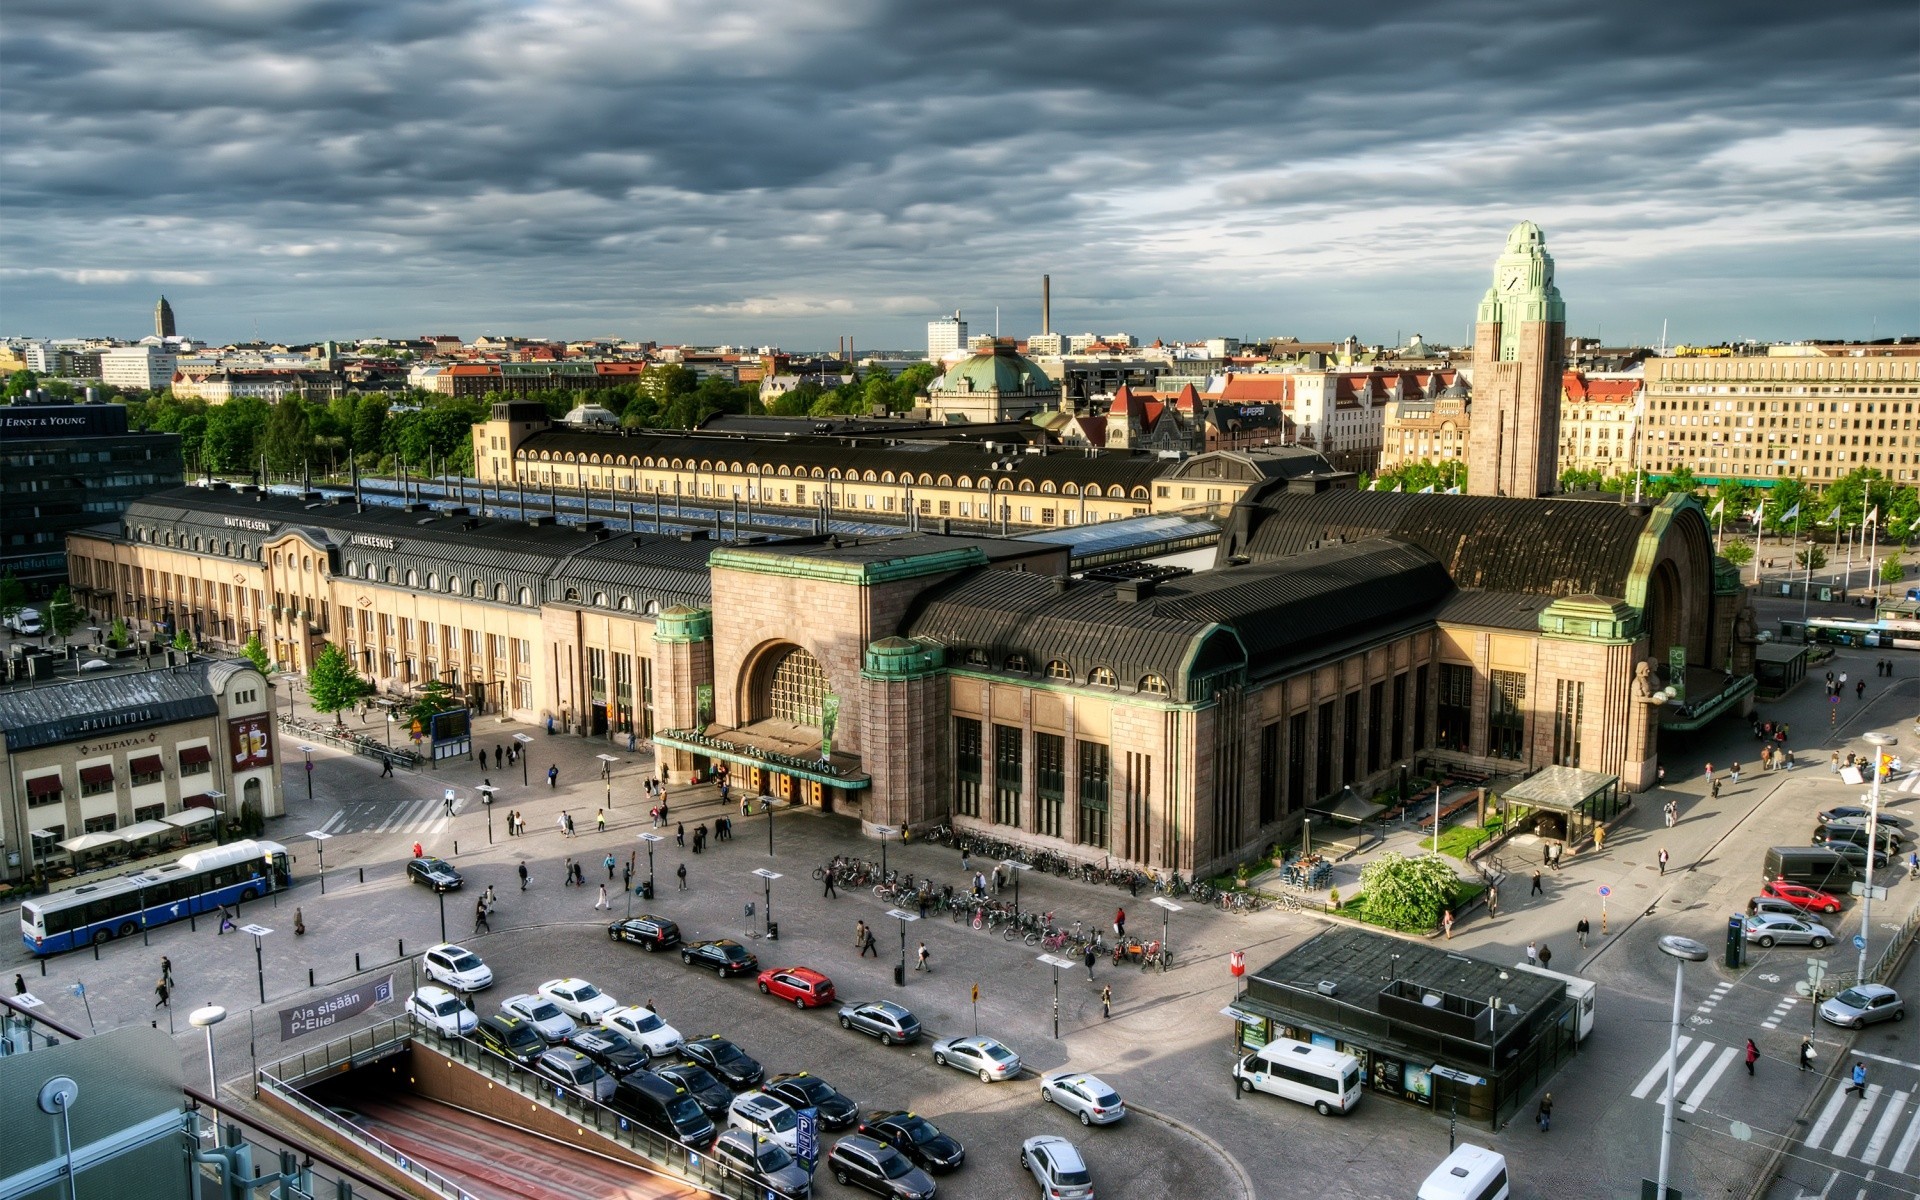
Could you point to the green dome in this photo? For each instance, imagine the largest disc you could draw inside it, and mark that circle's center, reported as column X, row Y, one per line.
column 1000, row 369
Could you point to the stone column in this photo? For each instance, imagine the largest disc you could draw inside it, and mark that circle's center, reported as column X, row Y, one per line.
column 682, row 664
column 904, row 715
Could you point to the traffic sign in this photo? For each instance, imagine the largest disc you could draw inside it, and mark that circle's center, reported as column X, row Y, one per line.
column 1605, row 890
column 1859, row 941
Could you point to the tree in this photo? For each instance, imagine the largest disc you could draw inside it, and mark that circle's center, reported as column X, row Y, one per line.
column 1408, row 893
column 183, row 640
column 1813, row 558
column 63, row 615
column 287, row 440
column 233, row 434
column 1739, row 552
column 433, row 697
column 18, row 382
column 256, row 654
column 333, row 686
column 117, row 636
column 369, row 419
column 13, row 596
column 1785, row 496
column 1892, row 570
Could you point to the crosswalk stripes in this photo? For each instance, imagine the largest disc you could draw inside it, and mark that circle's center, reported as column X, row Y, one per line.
column 1883, row 1132
column 1903, row 1154
column 1780, row 1012
column 1852, row 1116
column 420, row 819
column 1699, row 1093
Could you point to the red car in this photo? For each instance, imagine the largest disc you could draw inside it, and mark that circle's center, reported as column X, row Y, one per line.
column 804, row 986
column 1801, row 896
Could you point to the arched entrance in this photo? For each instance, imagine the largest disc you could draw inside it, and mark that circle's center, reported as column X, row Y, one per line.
column 786, row 683
column 1664, row 611
column 252, row 818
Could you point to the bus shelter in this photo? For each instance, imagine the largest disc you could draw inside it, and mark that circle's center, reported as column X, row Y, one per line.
column 1778, row 668
column 1567, row 802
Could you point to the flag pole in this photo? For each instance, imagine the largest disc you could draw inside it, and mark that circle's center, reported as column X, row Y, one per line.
column 1806, row 589
column 1759, row 538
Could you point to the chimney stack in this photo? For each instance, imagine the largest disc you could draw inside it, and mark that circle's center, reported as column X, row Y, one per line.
column 1046, row 304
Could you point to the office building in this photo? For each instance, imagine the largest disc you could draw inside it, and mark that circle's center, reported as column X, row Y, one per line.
column 945, row 335
column 138, row 368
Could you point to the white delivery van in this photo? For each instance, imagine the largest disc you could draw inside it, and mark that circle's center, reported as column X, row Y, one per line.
column 1580, row 991
column 1469, row 1173
column 26, row 622
column 1326, row 1079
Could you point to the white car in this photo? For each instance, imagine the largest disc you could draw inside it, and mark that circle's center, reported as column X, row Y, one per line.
column 457, row 967
column 442, row 1011
column 1083, row 1095
column 757, row 1112
column 579, row 999
column 643, row 1027
column 541, row 1013
column 982, row 1056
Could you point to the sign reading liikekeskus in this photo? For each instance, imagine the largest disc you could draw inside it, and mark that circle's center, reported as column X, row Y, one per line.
column 330, row 1010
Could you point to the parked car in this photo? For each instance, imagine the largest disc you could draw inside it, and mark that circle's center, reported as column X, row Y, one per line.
column 576, row 1072
column 757, row 1112
column 1768, row 929
column 732, row 1065
column 709, row 1093
column 441, row 1011
column 723, row 956
column 541, row 1013
column 510, row 1037
column 646, row 931
column 1857, row 856
column 874, row 1166
column 456, row 967
column 882, row 1019
column 803, row 1090
column 1083, row 1095
column 917, row 1138
column 1056, row 1165
column 643, row 1027
column 663, row 1106
column 764, row 1161
column 1887, row 840
column 982, row 1056
column 1801, row 896
column 1767, row 904
column 616, row 1055
column 579, row 999
column 1841, row 812
column 1864, row 1004
column 806, row 987
column 434, row 873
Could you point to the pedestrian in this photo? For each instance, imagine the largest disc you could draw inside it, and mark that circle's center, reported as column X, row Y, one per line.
column 480, row 916
column 869, row 948
column 1913, row 862
column 1833, row 762
column 611, row 862
column 1583, row 928
column 830, row 889
column 966, row 861
column 446, row 803
column 561, row 822
column 1859, row 1083
column 1660, row 775
column 417, row 851
column 553, row 775
column 666, row 777
column 487, row 898
column 1133, row 883
column 626, row 877
column 386, row 765
column 1089, row 956
column 166, row 970
column 569, row 882
column 1766, row 758
column 160, row 990
column 1533, row 954
column 923, row 901
column 1600, row 835
column 1663, row 860
column 1537, row 890
column 1446, row 924
column 1753, row 1053
column 523, row 876
column 19, row 985
column 602, row 901
column 1859, row 689
column 1714, row 789
column 1709, row 772
column 1493, row 901
column 1789, row 760
column 1120, row 922
column 299, row 924
column 226, row 922
column 682, row 872
column 746, row 805
column 663, row 808
column 1106, row 1001
column 1546, row 957
column 859, row 936
column 1671, row 813
column 498, row 754
column 1806, row 1053
column 1544, row 1118
column 1733, row 772
column 680, row 834
column 653, row 814
column 921, row 955
column 566, row 819
column 600, row 821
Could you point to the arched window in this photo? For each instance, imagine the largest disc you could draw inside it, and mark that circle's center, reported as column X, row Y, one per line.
column 599, row 599
column 1153, row 685
column 500, row 592
column 966, row 481
column 1026, row 485
column 1071, row 488
column 976, row 657
column 229, row 550
column 413, row 577
column 1101, row 676
column 526, row 597
column 653, row 608
column 1046, row 488
column 1093, row 489
column 573, row 595
column 626, row 604
column 388, row 575
column 433, row 581
column 1058, row 669
column 353, row 569
column 818, row 474
column 306, row 562
column 1017, row 662
column 945, row 481
column 453, row 584
column 797, row 688
column 1139, row 493
column 1006, row 485
column 479, row 590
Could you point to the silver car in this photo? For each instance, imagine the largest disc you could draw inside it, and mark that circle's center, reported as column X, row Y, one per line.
column 1864, row 1004
column 1056, row 1165
column 882, row 1019
column 1083, row 1095
column 982, row 1056
column 541, row 1013
column 577, row 1073
column 1769, row 929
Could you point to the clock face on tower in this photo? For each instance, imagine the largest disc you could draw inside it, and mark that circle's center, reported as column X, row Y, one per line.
column 1511, row 278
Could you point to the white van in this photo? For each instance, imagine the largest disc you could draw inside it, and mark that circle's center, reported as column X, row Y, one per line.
column 26, row 622
column 1326, row 1079
column 1580, row 991
column 1469, row 1173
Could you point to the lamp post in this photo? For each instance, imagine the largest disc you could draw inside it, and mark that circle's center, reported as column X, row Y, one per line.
column 650, row 839
column 259, row 960
column 219, row 806
column 206, row 1018
column 1018, row 869
column 885, row 832
column 486, row 802
column 442, row 897
column 1167, row 909
column 320, row 847
column 289, row 680
column 1880, row 742
column 308, row 751
column 1056, row 962
column 524, row 741
column 766, row 878
column 766, row 804
column 606, row 774
column 1684, row 950
column 903, row 916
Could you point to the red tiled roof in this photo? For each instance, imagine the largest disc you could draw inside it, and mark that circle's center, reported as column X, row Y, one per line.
column 1188, row 400
column 1257, row 389
column 1122, row 400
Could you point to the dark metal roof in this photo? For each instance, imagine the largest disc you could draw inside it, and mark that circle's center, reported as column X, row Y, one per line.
column 119, row 703
column 1497, row 610
column 1495, row 543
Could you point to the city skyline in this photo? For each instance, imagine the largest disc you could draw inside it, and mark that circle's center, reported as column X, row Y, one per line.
column 795, row 173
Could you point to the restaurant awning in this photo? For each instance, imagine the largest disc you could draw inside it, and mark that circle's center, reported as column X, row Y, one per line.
column 146, row 764
column 145, row 829
column 90, row 841
column 193, row 756
column 189, row 816
column 96, row 775
column 43, row 785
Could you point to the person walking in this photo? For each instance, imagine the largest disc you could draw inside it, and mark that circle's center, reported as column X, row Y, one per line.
column 417, row 851
column 829, row 889
column 1714, row 788
column 1600, row 836
column 1119, row 922
column 299, row 924
column 553, row 775
column 921, row 956
column 626, row 876
column 611, row 862
column 560, row 822
column 1546, row 957
column 1537, row 889
column 1806, row 1053
column 1544, row 1118
column 680, row 834
column 1859, row 1083
column 523, row 877
column 19, row 984
column 1733, row 773
column 498, row 756
column 682, row 872
column 1753, row 1055
column 1583, row 928
column 1859, row 689
column 1533, row 954
column 166, row 970
column 566, row 819
column 966, row 861
column 600, row 821
column 1446, row 924
column 166, row 995
column 480, row 916
column 1663, row 860
column 1089, row 956
column 602, row 901
column 386, row 766
column 569, row 882
column 663, row 808
column 859, row 936
column 1106, row 1002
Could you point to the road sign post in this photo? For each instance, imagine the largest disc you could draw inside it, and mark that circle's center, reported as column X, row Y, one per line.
column 1605, row 891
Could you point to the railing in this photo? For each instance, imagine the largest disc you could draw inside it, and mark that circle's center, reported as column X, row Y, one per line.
column 225, row 1138
column 1881, row 969
column 348, row 1131
column 358, row 743
column 359, row 1048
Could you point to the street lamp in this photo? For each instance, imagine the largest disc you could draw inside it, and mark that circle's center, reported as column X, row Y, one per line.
column 259, row 961
column 1880, row 742
column 308, row 751
column 524, row 741
column 766, row 806
column 486, row 802
column 766, row 878
column 219, row 806
column 320, row 846
column 1018, row 869
column 289, row 680
column 903, row 916
column 1684, row 950
column 885, row 832
column 650, row 839
column 206, row 1018
column 1056, row 962
column 1167, row 909
column 606, row 774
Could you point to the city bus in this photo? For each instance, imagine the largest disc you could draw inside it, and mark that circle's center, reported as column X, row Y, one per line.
column 1897, row 633
column 118, row 907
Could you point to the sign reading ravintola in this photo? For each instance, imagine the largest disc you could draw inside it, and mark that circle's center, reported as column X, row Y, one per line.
column 330, row 1010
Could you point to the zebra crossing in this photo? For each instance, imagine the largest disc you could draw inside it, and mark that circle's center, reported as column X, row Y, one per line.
column 1780, row 1012
column 420, row 819
column 1692, row 1055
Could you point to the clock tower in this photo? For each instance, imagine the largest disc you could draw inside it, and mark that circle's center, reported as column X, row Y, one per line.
column 1519, row 359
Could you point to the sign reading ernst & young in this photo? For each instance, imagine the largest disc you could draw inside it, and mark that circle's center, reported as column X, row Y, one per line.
column 330, row 1010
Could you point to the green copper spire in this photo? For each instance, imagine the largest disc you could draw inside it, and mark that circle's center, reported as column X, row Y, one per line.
column 1523, row 288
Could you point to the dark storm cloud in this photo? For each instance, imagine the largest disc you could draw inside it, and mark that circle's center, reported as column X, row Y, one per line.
column 792, row 170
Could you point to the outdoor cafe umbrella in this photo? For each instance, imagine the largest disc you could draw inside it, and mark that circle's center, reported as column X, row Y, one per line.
column 90, row 841
column 145, row 829
column 189, row 816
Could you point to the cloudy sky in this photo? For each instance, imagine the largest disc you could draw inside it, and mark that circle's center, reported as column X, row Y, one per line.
column 794, row 170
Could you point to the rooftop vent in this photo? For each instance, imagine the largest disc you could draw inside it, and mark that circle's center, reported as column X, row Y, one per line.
column 1326, row 987
column 1133, row 591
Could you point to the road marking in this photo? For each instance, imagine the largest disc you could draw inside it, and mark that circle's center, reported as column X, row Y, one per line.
column 1827, row 1117
column 1877, row 1144
column 1908, row 1144
column 1856, row 1122
column 1892, row 1062
column 1692, row 1064
column 1659, row 1069
column 1701, row 1089
column 333, row 820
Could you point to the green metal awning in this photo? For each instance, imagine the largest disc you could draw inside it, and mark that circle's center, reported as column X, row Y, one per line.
column 732, row 746
column 1695, row 714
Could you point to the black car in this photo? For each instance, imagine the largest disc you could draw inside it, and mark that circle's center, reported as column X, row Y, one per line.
column 509, row 1037
column 732, row 1065
column 1843, row 812
column 435, row 873
column 615, row 1054
column 646, row 931
column 801, row 1090
column 724, row 956
column 917, row 1138
column 713, row 1097
column 865, row 1162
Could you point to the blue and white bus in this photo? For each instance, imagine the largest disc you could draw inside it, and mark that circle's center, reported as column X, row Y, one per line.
column 194, row 883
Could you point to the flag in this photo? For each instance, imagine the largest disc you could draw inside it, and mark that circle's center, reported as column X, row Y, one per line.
column 1719, row 506
column 1426, row 491
column 1791, row 513
column 1453, row 491
column 1873, row 518
column 1832, row 516
column 1397, row 487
